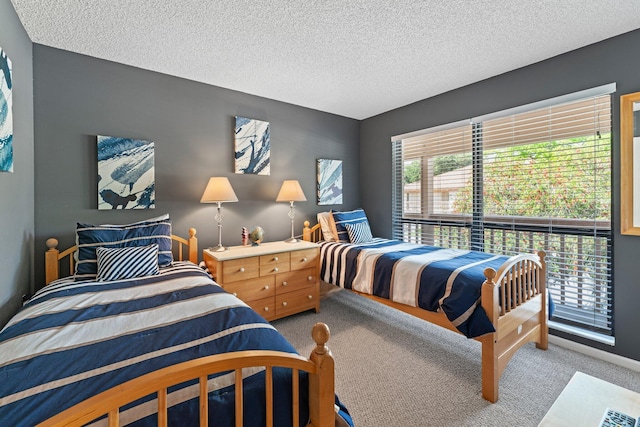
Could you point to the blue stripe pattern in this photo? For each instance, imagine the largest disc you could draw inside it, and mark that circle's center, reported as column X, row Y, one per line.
column 73, row 340
column 127, row 263
column 347, row 217
column 360, row 232
column 339, row 265
column 89, row 237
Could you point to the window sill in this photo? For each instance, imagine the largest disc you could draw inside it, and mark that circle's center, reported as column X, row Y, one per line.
column 590, row 335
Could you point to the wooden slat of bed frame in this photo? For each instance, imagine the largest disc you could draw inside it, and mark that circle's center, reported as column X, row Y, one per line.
column 320, row 367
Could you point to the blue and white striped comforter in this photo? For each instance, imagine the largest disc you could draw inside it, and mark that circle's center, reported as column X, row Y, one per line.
column 73, row 340
column 429, row 277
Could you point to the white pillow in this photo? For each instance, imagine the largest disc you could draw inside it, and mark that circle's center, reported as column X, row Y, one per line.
column 329, row 232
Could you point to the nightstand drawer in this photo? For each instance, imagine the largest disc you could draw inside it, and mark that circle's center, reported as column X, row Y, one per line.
column 264, row 307
column 306, row 258
column 295, row 280
column 259, row 274
column 297, row 301
column 240, row 269
column 252, row 289
column 274, row 263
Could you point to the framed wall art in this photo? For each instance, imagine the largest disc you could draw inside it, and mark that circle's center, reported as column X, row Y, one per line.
column 126, row 173
column 6, row 114
column 329, row 181
column 253, row 146
column 630, row 164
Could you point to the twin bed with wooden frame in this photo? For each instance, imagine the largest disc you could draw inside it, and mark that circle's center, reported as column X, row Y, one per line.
column 266, row 382
column 513, row 297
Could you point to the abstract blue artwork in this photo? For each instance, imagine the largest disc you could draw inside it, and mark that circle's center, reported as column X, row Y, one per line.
column 126, row 173
column 6, row 115
column 329, row 181
column 253, row 146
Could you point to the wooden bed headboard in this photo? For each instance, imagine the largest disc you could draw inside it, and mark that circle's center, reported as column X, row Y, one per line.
column 313, row 234
column 53, row 256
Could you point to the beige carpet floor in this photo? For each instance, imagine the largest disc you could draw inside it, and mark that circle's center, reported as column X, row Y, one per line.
column 396, row 370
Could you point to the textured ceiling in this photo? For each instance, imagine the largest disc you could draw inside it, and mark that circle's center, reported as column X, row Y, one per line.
column 355, row 58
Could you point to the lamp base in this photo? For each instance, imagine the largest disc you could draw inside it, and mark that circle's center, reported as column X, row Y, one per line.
column 218, row 248
column 291, row 240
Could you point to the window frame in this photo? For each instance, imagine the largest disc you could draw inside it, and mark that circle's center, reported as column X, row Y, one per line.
column 476, row 222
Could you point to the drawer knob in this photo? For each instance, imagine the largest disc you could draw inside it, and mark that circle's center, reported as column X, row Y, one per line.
column 304, row 259
column 275, row 269
column 241, row 269
column 266, row 309
column 284, row 303
column 310, row 278
column 310, row 296
column 275, row 258
column 266, row 287
column 284, row 283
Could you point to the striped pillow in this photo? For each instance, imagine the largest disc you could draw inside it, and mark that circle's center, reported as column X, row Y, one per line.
column 360, row 232
column 127, row 263
column 143, row 233
column 347, row 217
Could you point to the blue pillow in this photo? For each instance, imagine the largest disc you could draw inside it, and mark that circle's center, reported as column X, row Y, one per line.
column 143, row 233
column 359, row 232
column 127, row 263
column 347, row 217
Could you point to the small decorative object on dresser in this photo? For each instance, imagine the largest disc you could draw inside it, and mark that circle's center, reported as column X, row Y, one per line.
column 245, row 236
column 256, row 236
column 276, row 279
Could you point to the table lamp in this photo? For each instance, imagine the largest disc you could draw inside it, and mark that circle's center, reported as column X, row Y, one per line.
column 219, row 190
column 291, row 192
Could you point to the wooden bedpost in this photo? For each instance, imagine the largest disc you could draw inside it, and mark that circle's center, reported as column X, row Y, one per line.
column 322, row 385
column 490, row 296
column 52, row 271
column 490, row 366
column 543, row 343
column 306, row 232
column 193, row 246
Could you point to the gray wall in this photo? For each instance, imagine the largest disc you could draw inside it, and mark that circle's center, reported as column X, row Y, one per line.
column 613, row 60
column 16, row 189
column 78, row 97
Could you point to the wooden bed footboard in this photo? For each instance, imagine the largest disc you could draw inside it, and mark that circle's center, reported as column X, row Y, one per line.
column 515, row 300
column 53, row 257
column 320, row 367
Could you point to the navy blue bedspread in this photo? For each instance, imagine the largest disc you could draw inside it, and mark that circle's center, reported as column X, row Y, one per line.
column 73, row 340
column 429, row 277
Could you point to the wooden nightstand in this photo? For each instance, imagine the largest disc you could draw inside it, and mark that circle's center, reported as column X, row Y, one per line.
column 276, row 279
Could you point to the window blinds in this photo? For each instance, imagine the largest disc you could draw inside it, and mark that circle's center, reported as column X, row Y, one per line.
column 536, row 177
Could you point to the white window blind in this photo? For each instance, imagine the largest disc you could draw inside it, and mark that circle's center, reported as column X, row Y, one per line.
column 520, row 181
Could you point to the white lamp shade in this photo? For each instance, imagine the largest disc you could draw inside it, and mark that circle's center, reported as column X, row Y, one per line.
column 291, row 192
column 218, row 190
